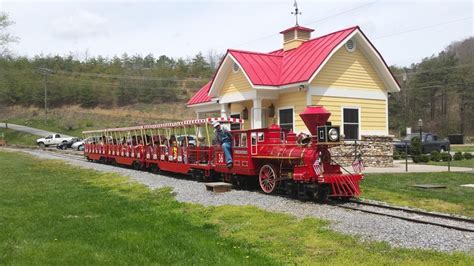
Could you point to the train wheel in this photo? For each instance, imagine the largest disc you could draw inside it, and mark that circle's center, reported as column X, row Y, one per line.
column 228, row 178
column 268, row 178
column 322, row 194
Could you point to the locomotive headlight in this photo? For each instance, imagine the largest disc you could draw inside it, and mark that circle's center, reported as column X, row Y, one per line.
column 333, row 134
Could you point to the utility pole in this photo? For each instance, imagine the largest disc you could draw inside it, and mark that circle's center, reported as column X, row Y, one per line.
column 405, row 94
column 45, row 72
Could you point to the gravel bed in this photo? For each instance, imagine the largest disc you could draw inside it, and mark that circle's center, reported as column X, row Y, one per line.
column 422, row 217
column 398, row 233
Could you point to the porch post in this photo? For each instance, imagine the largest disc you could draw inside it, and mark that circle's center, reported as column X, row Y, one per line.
column 257, row 113
column 225, row 112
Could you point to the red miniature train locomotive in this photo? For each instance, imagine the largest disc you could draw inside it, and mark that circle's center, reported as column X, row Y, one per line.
column 272, row 156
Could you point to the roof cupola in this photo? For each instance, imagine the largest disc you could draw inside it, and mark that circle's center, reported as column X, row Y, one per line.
column 295, row 36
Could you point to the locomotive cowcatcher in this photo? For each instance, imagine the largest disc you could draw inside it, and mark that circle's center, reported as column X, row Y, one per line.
column 272, row 156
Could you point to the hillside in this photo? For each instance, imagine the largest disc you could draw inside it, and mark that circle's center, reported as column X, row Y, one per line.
column 130, row 89
column 439, row 89
column 72, row 120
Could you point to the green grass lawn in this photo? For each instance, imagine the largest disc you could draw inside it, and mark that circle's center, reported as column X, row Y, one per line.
column 461, row 163
column 397, row 189
column 51, row 213
column 464, row 148
column 19, row 138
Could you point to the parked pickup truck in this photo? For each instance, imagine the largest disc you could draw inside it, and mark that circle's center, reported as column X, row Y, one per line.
column 54, row 140
column 429, row 142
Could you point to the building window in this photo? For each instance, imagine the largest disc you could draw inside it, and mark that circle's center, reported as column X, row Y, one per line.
column 235, row 126
column 351, row 123
column 285, row 117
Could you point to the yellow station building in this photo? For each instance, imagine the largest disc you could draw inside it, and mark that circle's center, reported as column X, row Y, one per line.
column 341, row 71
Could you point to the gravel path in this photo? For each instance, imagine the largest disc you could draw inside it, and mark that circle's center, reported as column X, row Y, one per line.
column 397, row 233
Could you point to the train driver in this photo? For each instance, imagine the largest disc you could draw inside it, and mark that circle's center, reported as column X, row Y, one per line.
column 224, row 138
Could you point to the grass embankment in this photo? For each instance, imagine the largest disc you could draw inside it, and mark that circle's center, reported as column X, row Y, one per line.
column 51, row 213
column 73, row 120
column 397, row 189
column 18, row 138
column 462, row 148
column 462, row 163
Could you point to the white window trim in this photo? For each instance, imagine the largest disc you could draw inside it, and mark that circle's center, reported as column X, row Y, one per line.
column 348, row 92
column 353, row 47
column 386, row 114
column 293, row 116
column 359, row 117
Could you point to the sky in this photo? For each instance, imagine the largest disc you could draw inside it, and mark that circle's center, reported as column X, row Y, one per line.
column 403, row 31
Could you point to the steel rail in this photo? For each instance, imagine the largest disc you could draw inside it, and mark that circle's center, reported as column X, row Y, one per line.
column 446, row 217
column 436, row 215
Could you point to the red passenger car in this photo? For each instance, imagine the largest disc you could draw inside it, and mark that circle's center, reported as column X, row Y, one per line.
column 271, row 156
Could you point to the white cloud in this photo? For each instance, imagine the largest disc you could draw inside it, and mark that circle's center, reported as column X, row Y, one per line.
column 81, row 24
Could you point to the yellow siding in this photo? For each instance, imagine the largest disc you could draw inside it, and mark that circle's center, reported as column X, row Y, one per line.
column 235, row 82
column 239, row 107
column 298, row 101
column 373, row 112
column 348, row 70
column 292, row 44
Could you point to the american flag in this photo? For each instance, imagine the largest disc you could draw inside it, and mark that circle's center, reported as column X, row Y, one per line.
column 317, row 167
column 358, row 164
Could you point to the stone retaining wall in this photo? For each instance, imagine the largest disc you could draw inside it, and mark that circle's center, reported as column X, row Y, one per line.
column 376, row 151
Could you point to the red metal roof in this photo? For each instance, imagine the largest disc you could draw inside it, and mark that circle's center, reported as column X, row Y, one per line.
column 202, row 96
column 281, row 67
column 262, row 69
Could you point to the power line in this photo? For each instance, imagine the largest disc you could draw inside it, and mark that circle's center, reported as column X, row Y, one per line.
column 434, row 70
column 422, row 28
column 343, row 12
column 310, row 23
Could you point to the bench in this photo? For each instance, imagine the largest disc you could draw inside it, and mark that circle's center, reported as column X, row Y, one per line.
column 218, row 187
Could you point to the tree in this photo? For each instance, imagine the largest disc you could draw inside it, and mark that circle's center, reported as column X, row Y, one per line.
column 5, row 37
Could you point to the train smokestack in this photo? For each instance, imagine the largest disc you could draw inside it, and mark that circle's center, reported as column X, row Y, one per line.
column 314, row 116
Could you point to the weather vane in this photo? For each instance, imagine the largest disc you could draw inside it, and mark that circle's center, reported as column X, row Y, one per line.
column 296, row 13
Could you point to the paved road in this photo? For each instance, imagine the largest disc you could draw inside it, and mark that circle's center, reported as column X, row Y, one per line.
column 399, row 167
column 30, row 130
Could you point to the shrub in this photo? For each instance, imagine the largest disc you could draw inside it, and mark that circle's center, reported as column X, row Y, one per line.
column 424, row 158
column 446, row 157
column 435, row 156
column 396, row 154
column 468, row 155
column 416, row 158
column 415, row 147
column 403, row 155
column 458, row 156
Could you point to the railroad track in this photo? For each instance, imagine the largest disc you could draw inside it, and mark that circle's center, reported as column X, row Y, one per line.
column 417, row 216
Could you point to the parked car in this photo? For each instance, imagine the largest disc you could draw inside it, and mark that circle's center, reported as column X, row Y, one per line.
column 79, row 145
column 52, row 140
column 429, row 143
column 67, row 144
